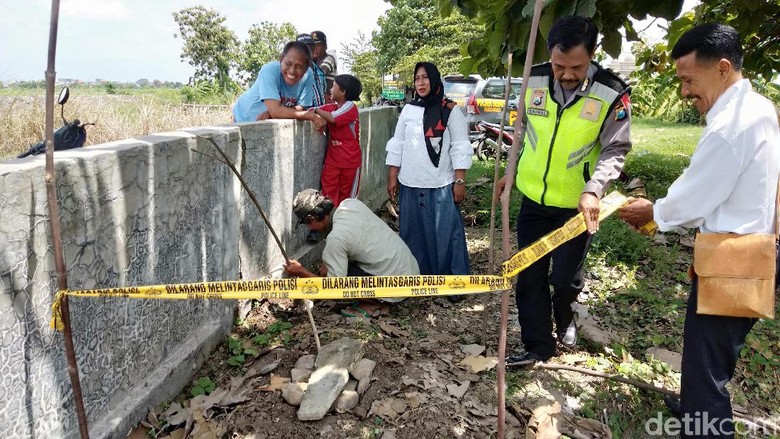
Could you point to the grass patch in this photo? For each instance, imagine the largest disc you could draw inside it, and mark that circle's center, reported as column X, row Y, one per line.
column 479, row 194
column 661, row 151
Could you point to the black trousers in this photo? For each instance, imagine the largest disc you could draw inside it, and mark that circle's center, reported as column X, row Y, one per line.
column 535, row 306
column 711, row 346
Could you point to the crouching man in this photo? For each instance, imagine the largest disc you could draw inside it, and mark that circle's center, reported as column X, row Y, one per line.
column 357, row 243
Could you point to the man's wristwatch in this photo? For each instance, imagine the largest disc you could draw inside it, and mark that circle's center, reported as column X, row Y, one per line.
column 460, row 181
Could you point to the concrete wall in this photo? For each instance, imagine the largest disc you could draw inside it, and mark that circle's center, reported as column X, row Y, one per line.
column 137, row 212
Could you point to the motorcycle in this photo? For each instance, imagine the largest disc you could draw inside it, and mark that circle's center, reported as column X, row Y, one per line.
column 487, row 140
column 70, row 135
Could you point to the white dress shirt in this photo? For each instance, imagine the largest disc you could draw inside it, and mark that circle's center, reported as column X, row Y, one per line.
column 407, row 150
column 731, row 183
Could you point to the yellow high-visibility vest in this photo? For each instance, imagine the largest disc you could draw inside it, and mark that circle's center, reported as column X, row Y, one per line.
column 561, row 144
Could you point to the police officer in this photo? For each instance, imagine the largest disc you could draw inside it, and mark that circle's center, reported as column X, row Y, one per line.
column 578, row 119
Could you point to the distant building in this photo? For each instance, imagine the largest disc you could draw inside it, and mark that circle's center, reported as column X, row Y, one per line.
column 142, row 82
column 624, row 65
column 67, row 81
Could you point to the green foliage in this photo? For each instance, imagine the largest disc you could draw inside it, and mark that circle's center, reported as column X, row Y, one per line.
column 660, row 153
column 618, row 243
column 208, row 92
column 418, row 31
column 756, row 21
column 760, row 362
column 361, row 59
column 208, row 45
column 238, row 351
column 203, row 386
column 657, row 90
column 111, row 88
column 264, row 44
column 507, row 26
column 277, row 332
column 479, row 197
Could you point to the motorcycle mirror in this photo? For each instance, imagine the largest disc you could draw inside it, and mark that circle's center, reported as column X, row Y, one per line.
column 64, row 95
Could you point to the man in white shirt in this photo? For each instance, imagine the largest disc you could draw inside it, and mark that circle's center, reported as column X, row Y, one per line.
column 730, row 186
column 358, row 243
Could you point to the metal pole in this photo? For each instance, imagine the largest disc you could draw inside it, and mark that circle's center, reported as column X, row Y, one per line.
column 496, row 168
column 510, row 172
column 54, row 223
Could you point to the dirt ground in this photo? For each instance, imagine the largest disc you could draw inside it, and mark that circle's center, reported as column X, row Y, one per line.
column 419, row 388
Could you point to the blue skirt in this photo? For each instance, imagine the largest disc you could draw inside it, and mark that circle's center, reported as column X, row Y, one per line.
column 431, row 225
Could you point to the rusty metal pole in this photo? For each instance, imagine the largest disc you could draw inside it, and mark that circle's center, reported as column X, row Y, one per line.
column 496, row 168
column 54, row 223
column 511, row 167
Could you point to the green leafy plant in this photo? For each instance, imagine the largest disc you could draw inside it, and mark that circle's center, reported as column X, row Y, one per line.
column 279, row 331
column 203, row 386
column 240, row 353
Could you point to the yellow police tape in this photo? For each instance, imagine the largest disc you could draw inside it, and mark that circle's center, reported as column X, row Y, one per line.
column 574, row 227
column 354, row 287
column 313, row 288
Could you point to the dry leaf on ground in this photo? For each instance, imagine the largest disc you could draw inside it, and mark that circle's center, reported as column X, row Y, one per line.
column 176, row 414
column 472, row 349
column 277, row 383
column 390, row 329
column 479, row 363
column 458, row 390
column 389, row 408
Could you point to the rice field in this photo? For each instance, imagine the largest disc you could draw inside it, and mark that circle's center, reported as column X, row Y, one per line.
column 116, row 117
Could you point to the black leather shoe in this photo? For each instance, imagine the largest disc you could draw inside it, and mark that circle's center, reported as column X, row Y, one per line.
column 525, row 359
column 568, row 338
column 673, row 404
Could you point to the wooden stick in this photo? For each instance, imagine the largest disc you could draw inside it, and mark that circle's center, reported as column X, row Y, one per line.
column 54, row 222
column 487, row 298
column 510, row 172
column 251, row 196
column 216, row 159
column 615, row 377
column 308, row 304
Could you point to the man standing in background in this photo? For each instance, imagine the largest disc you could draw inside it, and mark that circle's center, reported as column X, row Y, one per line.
column 324, row 60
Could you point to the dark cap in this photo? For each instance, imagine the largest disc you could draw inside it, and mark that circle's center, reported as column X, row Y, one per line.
column 305, row 39
column 306, row 202
column 319, row 37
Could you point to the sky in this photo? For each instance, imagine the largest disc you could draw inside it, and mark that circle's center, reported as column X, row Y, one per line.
column 126, row 40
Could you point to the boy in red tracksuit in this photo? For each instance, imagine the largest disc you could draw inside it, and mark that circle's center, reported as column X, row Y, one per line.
column 341, row 173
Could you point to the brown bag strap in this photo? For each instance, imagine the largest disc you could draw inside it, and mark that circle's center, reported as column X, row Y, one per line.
column 777, row 209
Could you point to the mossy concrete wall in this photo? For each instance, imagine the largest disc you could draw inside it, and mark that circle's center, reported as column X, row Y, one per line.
column 152, row 210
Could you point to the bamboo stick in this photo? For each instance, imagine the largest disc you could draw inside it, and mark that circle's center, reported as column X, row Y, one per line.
column 54, row 223
column 510, row 172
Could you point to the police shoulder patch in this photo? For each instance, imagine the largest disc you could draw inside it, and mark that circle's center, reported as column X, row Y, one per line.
column 622, row 107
